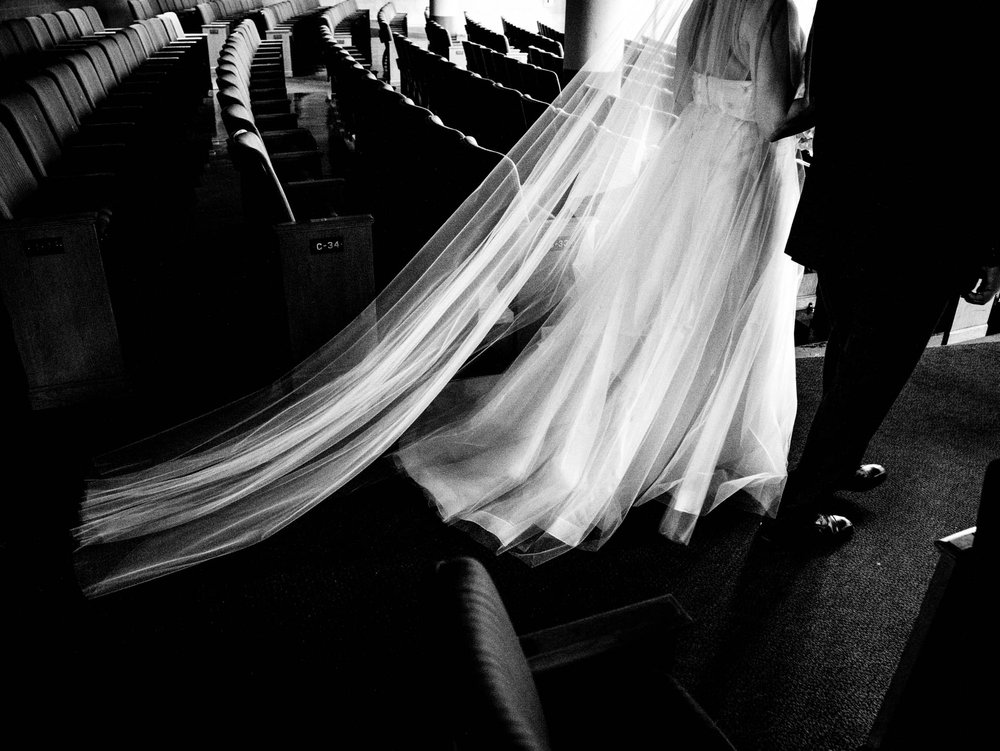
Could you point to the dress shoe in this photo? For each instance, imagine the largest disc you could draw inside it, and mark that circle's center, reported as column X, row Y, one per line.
column 865, row 477
column 814, row 528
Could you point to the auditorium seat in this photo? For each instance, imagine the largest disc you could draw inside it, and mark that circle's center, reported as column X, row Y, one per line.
column 522, row 39
column 95, row 19
column 544, row 59
column 53, row 282
column 296, row 24
column 480, row 34
column 551, row 33
column 438, row 39
column 325, row 259
column 604, row 681
column 389, row 21
column 293, row 151
column 55, row 28
column 76, row 128
column 351, row 26
column 244, row 80
column 48, row 155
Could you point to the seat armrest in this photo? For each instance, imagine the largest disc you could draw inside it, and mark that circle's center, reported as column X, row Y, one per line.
column 597, row 634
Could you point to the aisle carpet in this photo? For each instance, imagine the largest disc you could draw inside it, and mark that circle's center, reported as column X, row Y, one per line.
column 322, row 628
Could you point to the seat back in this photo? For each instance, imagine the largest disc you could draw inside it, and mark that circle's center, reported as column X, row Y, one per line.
column 140, row 9
column 145, row 37
column 24, row 34
column 61, row 118
column 499, row 706
column 80, row 103
column 17, row 182
column 10, row 48
column 89, row 78
column 95, row 18
column 101, row 60
column 69, row 24
column 26, row 122
column 56, row 30
column 172, row 24
column 126, row 50
column 236, row 117
column 438, row 39
column 41, row 32
column 82, row 21
column 548, row 31
column 264, row 199
column 112, row 57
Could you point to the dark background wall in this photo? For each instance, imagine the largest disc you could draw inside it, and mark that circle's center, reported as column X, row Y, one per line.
column 113, row 12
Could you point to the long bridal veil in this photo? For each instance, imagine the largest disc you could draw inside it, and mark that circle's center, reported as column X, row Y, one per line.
column 522, row 245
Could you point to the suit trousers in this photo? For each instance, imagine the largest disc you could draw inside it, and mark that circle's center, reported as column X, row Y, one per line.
column 880, row 324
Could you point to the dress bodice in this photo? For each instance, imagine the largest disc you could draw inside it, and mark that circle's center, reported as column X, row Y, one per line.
column 735, row 98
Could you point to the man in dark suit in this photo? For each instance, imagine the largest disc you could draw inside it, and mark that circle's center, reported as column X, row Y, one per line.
column 893, row 217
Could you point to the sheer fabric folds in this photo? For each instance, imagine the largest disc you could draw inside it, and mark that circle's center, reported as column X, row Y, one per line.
column 629, row 246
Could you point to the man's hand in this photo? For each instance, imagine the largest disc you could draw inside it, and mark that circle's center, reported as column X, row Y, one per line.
column 986, row 288
column 800, row 118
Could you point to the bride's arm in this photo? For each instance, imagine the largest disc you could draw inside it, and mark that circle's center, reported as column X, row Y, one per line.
column 777, row 67
column 683, row 92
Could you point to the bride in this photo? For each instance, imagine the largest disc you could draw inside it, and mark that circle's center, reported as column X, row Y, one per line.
column 628, row 249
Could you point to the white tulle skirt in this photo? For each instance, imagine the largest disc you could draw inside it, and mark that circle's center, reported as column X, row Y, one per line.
column 667, row 373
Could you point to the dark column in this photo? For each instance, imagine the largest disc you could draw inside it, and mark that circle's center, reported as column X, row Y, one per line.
column 587, row 24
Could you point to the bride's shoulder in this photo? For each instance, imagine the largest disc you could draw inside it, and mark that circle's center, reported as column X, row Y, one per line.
column 769, row 12
column 770, row 19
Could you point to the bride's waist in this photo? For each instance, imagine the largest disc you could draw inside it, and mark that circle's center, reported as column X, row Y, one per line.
column 732, row 97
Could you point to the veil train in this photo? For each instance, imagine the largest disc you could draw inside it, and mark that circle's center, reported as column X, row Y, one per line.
column 516, row 253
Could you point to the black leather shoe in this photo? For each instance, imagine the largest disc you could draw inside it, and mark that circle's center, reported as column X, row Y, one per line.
column 816, row 528
column 865, row 477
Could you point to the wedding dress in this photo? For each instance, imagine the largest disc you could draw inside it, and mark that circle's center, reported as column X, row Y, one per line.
column 667, row 371
column 630, row 246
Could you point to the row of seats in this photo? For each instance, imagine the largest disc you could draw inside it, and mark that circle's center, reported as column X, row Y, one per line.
column 548, row 31
column 522, row 39
column 392, row 21
column 544, row 50
column 95, row 154
column 186, row 10
column 323, row 253
column 296, row 22
column 389, row 20
column 495, row 115
column 438, row 39
column 384, row 128
column 143, row 9
column 252, row 96
column 536, row 82
column 232, row 11
column 351, row 26
column 26, row 42
column 547, row 60
column 217, row 19
column 481, row 34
